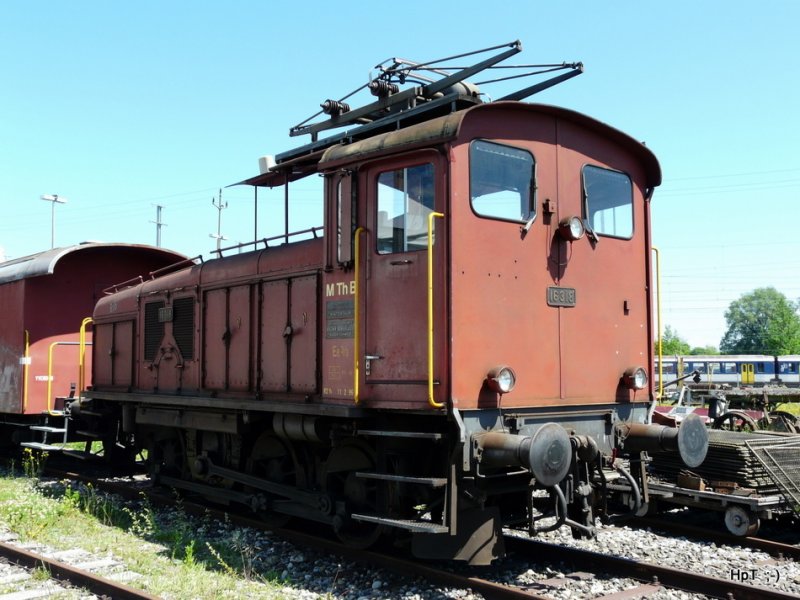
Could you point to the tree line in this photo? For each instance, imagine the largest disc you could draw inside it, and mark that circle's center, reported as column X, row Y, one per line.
column 761, row 322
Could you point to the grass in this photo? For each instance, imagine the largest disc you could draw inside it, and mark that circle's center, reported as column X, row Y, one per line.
column 177, row 556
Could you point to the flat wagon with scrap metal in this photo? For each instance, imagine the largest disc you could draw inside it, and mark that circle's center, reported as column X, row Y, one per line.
column 463, row 346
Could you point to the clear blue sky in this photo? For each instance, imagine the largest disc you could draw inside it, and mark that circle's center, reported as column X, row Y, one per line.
column 120, row 106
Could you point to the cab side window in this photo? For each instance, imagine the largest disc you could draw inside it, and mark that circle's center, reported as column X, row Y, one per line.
column 405, row 199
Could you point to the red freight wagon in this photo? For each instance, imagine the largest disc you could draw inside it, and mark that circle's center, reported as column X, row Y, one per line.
column 44, row 299
column 465, row 347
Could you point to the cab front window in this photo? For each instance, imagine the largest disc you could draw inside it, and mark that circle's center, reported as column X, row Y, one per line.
column 501, row 181
column 608, row 202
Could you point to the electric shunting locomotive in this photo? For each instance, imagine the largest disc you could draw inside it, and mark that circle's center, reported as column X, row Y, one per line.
column 464, row 345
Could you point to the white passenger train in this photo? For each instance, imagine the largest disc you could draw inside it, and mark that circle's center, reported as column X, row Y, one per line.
column 734, row 369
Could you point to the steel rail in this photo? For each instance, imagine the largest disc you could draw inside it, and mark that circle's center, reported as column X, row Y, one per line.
column 73, row 575
column 697, row 583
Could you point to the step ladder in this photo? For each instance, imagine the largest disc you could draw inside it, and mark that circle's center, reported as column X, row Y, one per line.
column 53, row 439
column 415, row 525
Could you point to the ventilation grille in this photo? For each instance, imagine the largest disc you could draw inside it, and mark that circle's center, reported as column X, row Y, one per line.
column 153, row 329
column 183, row 326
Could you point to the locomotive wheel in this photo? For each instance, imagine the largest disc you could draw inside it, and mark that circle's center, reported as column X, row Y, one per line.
column 167, row 456
column 735, row 420
column 352, row 494
column 741, row 522
column 273, row 460
column 780, row 420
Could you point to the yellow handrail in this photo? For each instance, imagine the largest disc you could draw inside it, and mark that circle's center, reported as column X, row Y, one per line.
column 82, row 356
column 356, row 300
column 658, row 321
column 26, row 362
column 431, row 400
column 50, row 371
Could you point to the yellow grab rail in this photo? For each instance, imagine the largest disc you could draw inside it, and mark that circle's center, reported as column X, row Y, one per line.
column 658, row 320
column 82, row 356
column 356, row 300
column 431, row 400
column 50, row 371
column 26, row 363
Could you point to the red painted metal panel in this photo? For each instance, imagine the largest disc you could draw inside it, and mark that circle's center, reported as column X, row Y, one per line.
column 240, row 357
column 304, row 323
column 607, row 331
column 103, row 370
column 274, row 313
column 123, row 353
column 214, row 337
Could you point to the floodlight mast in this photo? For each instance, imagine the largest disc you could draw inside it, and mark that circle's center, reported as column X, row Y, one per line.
column 53, row 199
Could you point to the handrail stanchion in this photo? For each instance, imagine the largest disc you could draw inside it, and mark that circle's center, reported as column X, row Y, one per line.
column 82, row 356
column 356, row 315
column 431, row 400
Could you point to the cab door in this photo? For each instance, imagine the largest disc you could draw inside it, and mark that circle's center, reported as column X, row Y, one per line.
column 401, row 197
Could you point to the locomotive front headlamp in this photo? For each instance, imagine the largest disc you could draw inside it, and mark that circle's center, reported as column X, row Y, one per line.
column 501, row 380
column 635, row 378
column 571, row 228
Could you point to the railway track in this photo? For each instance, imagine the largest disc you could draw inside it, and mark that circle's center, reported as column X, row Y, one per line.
column 668, row 577
column 651, row 577
column 62, row 571
column 774, row 548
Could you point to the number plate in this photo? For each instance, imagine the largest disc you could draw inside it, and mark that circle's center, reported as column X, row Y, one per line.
column 561, row 296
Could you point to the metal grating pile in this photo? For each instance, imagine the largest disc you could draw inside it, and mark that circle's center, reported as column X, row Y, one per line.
column 766, row 462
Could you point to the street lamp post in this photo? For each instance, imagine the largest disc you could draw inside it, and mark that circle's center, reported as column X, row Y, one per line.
column 53, row 199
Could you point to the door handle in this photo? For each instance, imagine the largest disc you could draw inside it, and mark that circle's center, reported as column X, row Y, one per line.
column 368, row 358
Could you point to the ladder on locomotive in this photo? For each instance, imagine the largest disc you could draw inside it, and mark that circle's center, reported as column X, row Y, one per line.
column 54, row 431
column 55, row 434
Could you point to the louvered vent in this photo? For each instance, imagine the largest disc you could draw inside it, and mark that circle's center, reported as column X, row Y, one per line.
column 153, row 329
column 183, row 326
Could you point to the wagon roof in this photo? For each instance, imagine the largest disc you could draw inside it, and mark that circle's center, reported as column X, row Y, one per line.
column 44, row 263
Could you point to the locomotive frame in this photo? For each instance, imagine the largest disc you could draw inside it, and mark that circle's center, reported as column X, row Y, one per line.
column 422, row 367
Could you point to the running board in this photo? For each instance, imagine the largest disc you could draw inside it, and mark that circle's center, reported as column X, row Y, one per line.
column 41, row 446
column 431, row 481
column 408, row 524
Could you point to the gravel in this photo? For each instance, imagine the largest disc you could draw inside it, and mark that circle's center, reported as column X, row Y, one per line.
column 310, row 575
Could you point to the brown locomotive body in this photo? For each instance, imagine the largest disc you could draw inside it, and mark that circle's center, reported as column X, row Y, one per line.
column 464, row 347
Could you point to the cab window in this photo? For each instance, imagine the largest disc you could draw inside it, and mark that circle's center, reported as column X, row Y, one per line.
column 501, row 181
column 405, row 199
column 608, row 202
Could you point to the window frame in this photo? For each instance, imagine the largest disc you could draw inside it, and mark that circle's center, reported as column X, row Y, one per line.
column 532, row 214
column 376, row 190
column 585, row 202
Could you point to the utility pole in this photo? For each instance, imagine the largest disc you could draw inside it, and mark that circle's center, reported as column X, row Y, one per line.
column 159, row 224
column 220, row 207
column 53, row 199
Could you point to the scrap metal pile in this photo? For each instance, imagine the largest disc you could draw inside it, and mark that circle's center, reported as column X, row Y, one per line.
column 757, row 463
